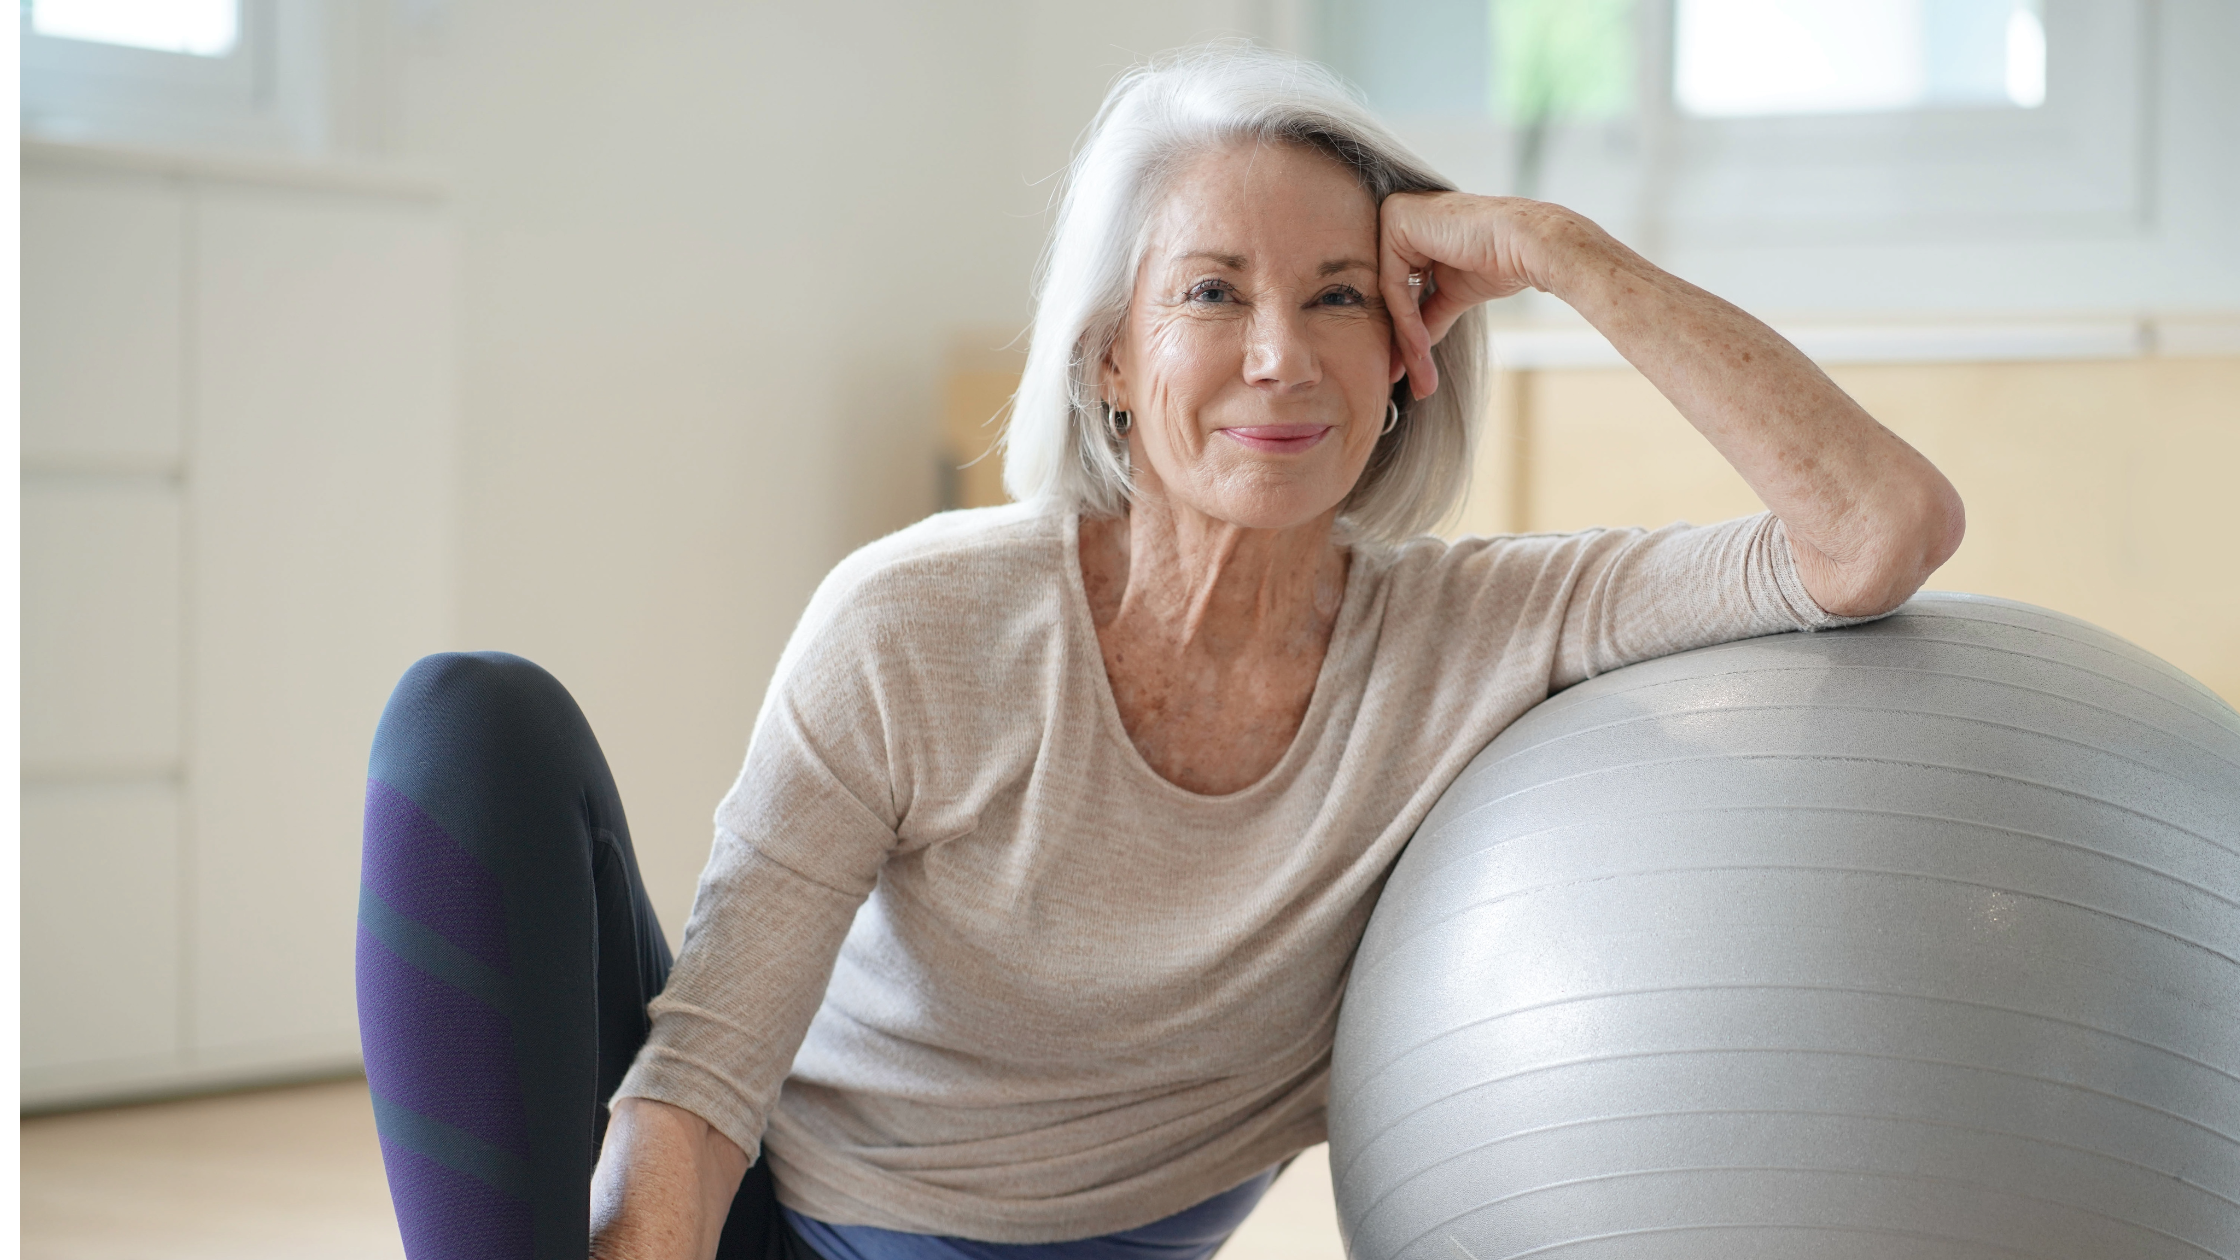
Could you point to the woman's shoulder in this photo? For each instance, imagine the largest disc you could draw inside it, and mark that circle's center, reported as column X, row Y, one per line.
column 951, row 574
column 907, row 637
column 966, row 554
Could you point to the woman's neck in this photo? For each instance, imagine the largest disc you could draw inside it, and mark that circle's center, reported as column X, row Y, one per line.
column 1211, row 589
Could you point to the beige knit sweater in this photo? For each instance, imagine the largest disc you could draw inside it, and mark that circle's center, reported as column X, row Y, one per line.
column 1027, row 989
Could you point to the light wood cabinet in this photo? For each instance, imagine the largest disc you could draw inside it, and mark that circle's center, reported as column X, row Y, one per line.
column 2095, row 487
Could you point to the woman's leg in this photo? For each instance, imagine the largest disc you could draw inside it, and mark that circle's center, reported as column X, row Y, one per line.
column 506, row 952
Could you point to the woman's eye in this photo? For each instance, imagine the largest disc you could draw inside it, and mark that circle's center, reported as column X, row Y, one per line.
column 1211, row 291
column 1343, row 295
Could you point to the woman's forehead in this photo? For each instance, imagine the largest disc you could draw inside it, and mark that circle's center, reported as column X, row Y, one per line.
column 1252, row 202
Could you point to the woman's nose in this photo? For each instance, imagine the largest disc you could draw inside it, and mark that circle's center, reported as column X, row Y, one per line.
column 1278, row 355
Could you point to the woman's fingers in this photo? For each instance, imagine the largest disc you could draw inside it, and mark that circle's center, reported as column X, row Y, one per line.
column 1476, row 248
column 1403, row 301
column 1440, row 313
column 1437, row 237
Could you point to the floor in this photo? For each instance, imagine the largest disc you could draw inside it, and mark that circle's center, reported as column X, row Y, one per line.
column 277, row 1173
column 284, row 1174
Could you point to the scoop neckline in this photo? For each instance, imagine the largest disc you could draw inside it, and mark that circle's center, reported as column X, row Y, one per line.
column 1082, row 633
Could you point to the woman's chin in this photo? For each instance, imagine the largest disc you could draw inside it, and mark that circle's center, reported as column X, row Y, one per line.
column 1268, row 510
column 1252, row 491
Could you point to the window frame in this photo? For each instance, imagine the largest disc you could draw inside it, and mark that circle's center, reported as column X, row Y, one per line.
column 264, row 94
column 2078, row 163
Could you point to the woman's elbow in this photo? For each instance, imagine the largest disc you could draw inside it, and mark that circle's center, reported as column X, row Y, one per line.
column 1919, row 534
column 1944, row 525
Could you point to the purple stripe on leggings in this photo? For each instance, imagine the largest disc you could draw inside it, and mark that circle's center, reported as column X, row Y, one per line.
column 438, row 1050
column 421, row 871
column 447, row 1215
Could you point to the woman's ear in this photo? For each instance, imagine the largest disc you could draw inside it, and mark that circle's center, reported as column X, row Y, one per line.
column 1112, row 379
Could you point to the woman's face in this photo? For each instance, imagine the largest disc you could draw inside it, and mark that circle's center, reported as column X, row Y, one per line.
column 1256, row 357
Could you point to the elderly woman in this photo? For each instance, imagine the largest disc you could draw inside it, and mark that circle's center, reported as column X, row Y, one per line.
column 1028, row 918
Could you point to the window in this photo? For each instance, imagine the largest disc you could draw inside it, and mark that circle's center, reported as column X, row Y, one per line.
column 214, row 74
column 1495, row 81
column 1751, row 123
column 1516, row 61
column 1805, row 121
column 196, row 28
column 1747, row 58
column 1570, row 59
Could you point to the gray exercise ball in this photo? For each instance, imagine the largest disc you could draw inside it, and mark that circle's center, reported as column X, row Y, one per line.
column 1916, row 939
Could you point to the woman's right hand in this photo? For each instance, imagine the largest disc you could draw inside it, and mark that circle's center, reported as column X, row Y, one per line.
column 1468, row 249
column 663, row 1186
column 1867, row 516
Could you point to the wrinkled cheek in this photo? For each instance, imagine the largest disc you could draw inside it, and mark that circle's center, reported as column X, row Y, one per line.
column 1363, row 353
column 1187, row 349
column 1185, row 365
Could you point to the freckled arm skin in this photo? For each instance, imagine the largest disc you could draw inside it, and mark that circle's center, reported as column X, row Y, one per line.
column 1868, row 517
column 663, row 1185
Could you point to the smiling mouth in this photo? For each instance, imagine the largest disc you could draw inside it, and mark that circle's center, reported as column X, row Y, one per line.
column 1279, row 438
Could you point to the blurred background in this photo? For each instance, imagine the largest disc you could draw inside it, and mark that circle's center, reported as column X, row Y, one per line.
column 359, row 329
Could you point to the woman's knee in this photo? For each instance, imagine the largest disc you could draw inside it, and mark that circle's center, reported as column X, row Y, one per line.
column 490, row 752
column 479, row 713
column 495, row 694
column 481, row 682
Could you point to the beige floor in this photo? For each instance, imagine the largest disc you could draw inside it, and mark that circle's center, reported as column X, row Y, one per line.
column 287, row 1174
column 279, row 1173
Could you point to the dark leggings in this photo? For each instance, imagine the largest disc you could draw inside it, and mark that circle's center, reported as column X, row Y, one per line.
column 506, row 952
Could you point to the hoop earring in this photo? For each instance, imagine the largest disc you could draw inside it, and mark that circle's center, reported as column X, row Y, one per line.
column 1391, row 416
column 1118, row 422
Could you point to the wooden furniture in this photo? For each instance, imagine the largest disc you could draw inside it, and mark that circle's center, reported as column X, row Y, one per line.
column 2097, row 487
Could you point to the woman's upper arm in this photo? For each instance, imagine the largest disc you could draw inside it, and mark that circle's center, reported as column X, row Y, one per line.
column 799, row 844
column 796, row 852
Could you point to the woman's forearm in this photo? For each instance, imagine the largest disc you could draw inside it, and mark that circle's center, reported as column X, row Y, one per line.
column 663, row 1186
column 1867, row 516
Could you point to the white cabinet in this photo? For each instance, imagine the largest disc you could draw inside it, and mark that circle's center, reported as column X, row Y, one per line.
column 101, row 933
column 102, row 639
column 320, row 506
column 104, row 281
column 238, row 504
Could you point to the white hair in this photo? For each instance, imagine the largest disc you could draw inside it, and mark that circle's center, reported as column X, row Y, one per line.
column 1058, row 449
